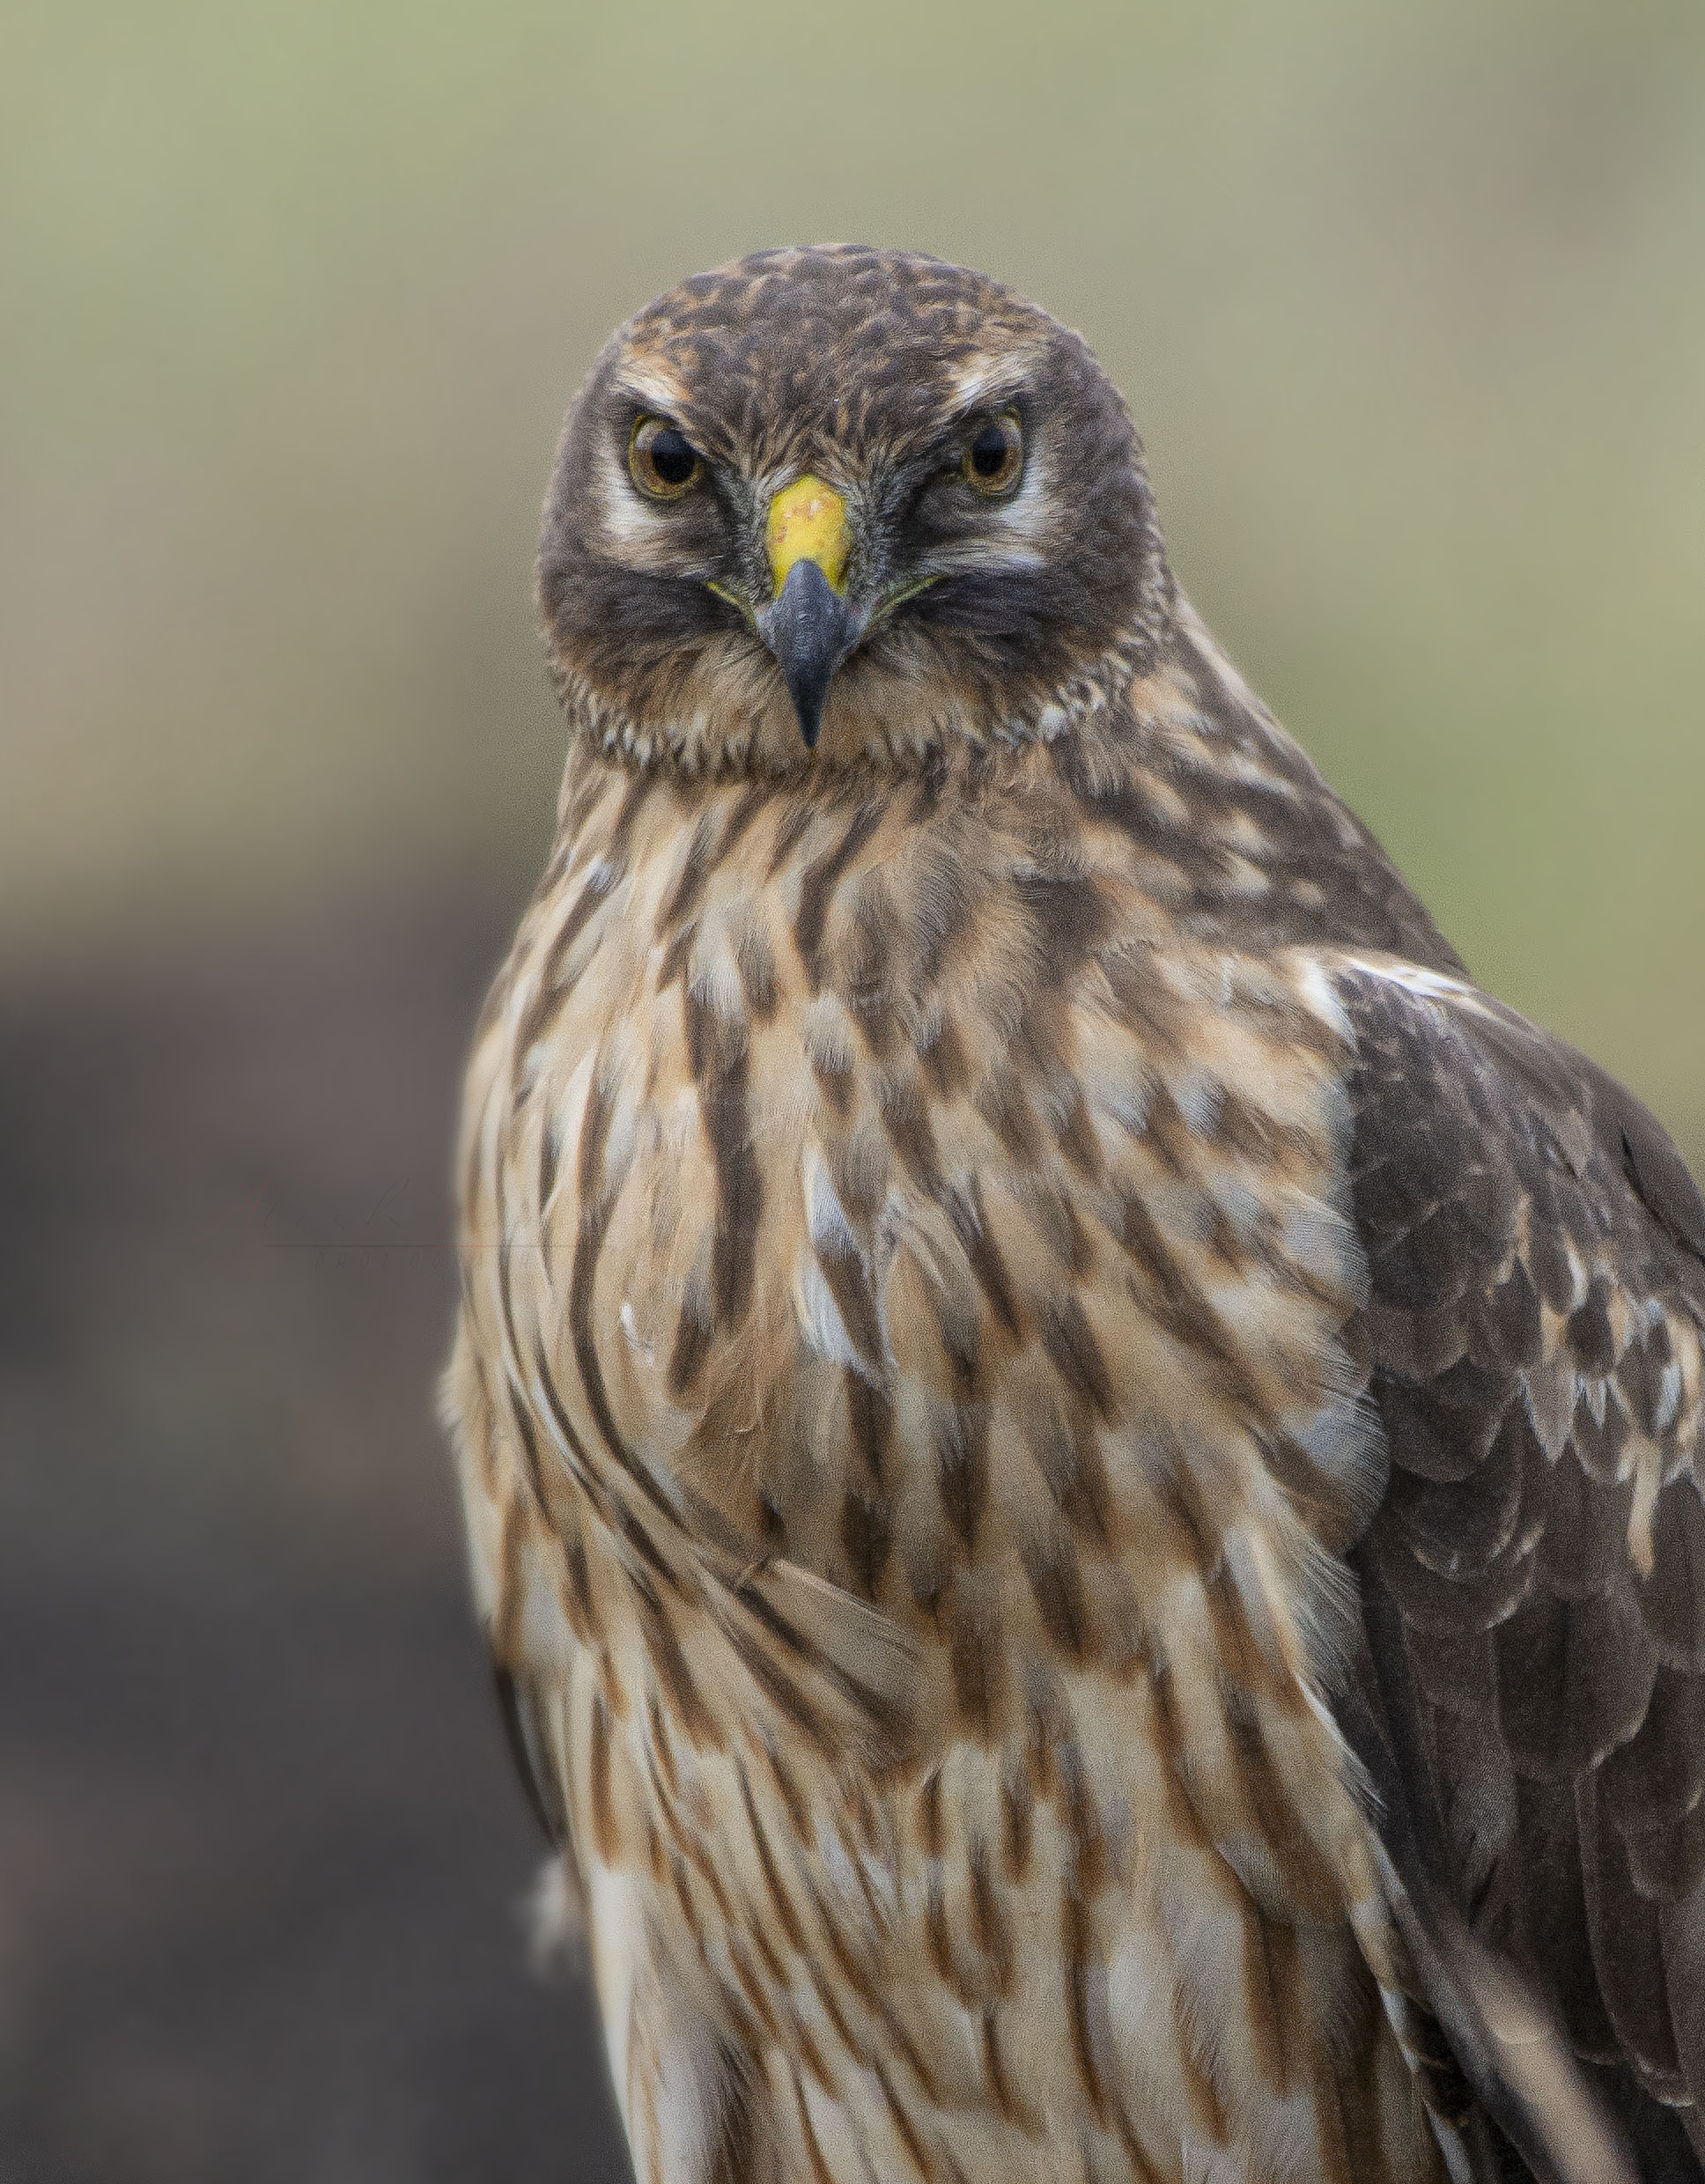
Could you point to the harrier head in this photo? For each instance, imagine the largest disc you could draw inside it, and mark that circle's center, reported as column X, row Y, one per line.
column 838, row 504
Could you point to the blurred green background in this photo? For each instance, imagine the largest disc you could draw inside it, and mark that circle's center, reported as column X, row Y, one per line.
column 1409, row 302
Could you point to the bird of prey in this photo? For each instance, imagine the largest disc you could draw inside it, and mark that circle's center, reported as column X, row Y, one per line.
column 1081, row 1459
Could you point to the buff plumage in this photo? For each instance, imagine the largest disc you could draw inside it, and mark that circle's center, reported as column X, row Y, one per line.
column 1080, row 1459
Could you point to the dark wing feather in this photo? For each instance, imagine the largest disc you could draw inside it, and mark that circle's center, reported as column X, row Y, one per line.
column 1532, row 1695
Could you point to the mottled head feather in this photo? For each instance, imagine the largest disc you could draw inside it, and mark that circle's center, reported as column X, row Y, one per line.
column 869, row 368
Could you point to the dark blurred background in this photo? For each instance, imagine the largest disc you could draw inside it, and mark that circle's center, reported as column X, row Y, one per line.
column 1410, row 304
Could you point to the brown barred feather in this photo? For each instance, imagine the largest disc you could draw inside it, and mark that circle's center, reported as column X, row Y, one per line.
column 1080, row 1460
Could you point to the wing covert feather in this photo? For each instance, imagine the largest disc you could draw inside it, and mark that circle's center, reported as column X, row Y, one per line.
column 1534, row 1580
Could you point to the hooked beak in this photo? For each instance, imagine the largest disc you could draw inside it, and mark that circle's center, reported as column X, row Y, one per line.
column 808, row 625
column 810, row 628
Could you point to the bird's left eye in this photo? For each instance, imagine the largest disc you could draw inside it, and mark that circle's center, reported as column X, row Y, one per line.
column 662, row 460
column 994, row 455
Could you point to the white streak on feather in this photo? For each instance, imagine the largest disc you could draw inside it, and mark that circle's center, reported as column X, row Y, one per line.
column 1668, row 1397
column 1314, row 990
column 821, row 1322
column 825, row 1217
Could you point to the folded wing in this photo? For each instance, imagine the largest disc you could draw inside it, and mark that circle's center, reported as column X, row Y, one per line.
column 1531, row 1702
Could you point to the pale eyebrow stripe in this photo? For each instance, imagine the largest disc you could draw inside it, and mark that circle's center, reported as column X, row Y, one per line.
column 651, row 388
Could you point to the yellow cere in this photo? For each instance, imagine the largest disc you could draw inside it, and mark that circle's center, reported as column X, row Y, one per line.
column 808, row 522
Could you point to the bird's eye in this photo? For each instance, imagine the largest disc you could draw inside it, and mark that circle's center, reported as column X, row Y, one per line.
column 994, row 455
column 662, row 460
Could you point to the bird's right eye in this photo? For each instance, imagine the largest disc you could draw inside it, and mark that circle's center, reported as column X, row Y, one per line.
column 662, row 462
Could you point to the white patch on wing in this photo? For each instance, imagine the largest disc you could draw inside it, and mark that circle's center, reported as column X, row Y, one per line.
column 1550, row 1393
column 1314, row 990
column 1426, row 985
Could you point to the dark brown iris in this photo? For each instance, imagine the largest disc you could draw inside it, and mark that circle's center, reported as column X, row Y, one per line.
column 994, row 454
column 663, row 461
